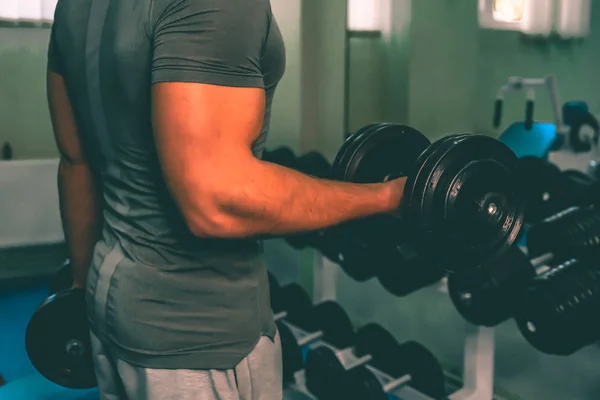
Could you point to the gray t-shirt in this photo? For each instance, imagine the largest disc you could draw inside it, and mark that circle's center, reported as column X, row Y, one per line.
column 159, row 296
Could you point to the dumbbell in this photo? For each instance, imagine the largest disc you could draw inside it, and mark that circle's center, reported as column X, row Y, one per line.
column 327, row 316
column 283, row 156
column 62, row 278
column 401, row 268
column 542, row 186
column 328, row 376
column 547, row 190
column 57, row 336
column 559, row 310
column 313, row 163
column 57, row 340
column 329, row 322
column 490, row 295
column 325, row 321
column 573, row 228
column 460, row 199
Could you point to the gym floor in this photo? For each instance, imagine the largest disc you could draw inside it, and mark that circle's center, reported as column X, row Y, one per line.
column 18, row 300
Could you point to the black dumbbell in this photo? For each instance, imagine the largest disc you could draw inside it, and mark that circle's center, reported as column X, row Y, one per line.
column 547, row 190
column 542, row 186
column 401, row 268
column 57, row 340
column 491, row 294
column 328, row 322
column 283, row 156
column 460, row 199
column 327, row 316
column 62, row 278
column 583, row 189
column 558, row 313
column 313, row 163
column 328, row 377
column 573, row 228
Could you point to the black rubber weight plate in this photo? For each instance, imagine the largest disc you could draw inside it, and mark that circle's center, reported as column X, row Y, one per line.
column 465, row 201
column 57, row 341
column 338, row 168
column 427, row 375
column 384, row 151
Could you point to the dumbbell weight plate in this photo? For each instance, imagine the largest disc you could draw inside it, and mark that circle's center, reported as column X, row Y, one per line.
column 330, row 318
column 283, row 156
column 344, row 155
column 378, row 153
column 543, row 187
column 403, row 271
column 583, row 189
column 57, row 340
column 427, row 374
column 469, row 210
column 291, row 352
column 318, row 361
column 315, row 164
column 374, row 336
column 62, row 278
column 294, row 300
column 490, row 295
column 396, row 359
column 382, row 152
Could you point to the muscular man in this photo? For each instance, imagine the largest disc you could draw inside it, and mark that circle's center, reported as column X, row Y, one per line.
column 161, row 110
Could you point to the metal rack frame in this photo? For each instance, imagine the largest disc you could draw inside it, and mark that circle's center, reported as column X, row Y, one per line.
column 478, row 356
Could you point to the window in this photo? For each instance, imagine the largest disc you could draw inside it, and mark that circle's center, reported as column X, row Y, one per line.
column 508, row 10
column 502, row 14
column 532, row 17
column 35, row 12
column 365, row 15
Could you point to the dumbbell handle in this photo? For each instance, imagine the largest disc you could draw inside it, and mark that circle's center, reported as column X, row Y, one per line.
column 396, row 383
column 542, row 260
column 362, row 360
column 311, row 337
column 280, row 315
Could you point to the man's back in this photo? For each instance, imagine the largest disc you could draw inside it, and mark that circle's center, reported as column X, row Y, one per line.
column 162, row 296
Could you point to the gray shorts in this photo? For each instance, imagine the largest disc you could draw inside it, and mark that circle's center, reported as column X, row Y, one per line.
column 256, row 377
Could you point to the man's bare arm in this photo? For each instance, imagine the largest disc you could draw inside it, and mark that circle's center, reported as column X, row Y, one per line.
column 78, row 193
column 204, row 135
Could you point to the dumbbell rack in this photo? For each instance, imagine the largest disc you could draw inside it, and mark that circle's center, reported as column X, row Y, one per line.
column 478, row 365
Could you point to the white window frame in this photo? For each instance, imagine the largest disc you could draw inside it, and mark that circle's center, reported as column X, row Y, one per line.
column 487, row 20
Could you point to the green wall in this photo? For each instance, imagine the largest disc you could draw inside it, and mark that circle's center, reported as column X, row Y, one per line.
column 24, row 118
column 440, row 71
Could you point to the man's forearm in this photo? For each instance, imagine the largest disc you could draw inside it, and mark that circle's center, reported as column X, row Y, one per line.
column 80, row 213
column 272, row 200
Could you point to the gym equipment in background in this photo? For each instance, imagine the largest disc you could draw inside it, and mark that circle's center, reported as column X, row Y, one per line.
column 328, row 376
column 547, row 190
column 530, row 138
column 460, row 201
column 559, row 308
column 534, row 142
column 283, row 156
column 491, row 295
